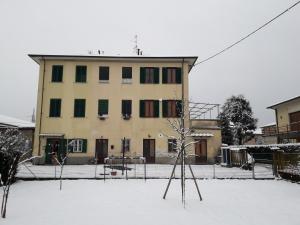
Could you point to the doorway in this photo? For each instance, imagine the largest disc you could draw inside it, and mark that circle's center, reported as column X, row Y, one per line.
column 149, row 150
column 201, row 151
column 101, row 150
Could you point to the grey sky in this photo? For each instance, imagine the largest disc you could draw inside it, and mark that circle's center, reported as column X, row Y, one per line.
column 265, row 67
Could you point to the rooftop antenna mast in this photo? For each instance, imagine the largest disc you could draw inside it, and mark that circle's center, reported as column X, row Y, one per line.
column 136, row 49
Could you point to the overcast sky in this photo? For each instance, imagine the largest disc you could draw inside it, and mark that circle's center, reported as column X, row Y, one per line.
column 265, row 67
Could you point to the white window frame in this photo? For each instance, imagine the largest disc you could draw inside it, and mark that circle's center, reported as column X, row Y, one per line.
column 77, row 145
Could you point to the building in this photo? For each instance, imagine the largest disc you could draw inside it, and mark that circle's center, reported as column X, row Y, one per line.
column 27, row 128
column 98, row 106
column 269, row 133
column 287, row 120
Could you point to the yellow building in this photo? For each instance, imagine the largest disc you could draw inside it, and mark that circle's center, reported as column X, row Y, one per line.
column 98, row 106
column 287, row 120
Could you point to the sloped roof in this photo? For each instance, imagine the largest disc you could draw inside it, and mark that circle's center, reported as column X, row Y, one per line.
column 283, row 102
column 14, row 122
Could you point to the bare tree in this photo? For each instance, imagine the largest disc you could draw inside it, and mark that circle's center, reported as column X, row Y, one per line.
column 183, row 141
column 61, row 159
column 12, row 150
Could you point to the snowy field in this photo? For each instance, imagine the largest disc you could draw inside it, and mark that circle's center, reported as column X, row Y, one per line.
column 234, row 202
column 152, row 171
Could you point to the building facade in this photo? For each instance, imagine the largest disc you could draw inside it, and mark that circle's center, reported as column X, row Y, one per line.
column 100, row 106
column 287, row 121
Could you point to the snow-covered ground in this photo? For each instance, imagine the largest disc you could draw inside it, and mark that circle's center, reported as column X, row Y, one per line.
column 152, row 171
column 232, row 202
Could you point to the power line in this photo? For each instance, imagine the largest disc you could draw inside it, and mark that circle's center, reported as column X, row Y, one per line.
column 253, row 32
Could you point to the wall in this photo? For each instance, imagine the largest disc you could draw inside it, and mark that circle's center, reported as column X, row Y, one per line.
column 114, row 127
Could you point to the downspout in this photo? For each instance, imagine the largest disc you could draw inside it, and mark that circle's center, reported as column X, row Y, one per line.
column 277, row 130
column 41, row 114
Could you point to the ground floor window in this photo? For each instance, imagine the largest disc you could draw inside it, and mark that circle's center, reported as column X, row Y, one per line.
column 172, row 145
column 77, row 145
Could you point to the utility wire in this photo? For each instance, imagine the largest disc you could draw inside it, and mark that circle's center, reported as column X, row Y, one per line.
column 253, row 32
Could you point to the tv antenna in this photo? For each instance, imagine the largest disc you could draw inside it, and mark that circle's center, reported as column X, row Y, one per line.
column 136, row 49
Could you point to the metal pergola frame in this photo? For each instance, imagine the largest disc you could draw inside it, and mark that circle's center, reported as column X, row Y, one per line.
column 198, row 110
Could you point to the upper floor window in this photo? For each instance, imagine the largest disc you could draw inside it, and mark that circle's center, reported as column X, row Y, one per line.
column 80, row 74
column 102, row 107
column 171, row 75
column 172, row 145
column 126, row 72
column 171, row 108
column 57, row 73
column 79, row 108
column 149, row 75
column 126, row 108
column 77, row 145
column 149, row 108
column 55, row 107
column 103, row 74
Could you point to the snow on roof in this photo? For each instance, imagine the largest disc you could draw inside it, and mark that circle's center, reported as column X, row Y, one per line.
column 269, row 124
column 283, row 102
column 14, row 122
column 257, row 131
column 201, row 135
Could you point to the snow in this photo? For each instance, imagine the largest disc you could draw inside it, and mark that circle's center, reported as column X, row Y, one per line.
column 6, row 120
column 234, row 202
column 258, row 131
column 269, row 124
column 153, row 171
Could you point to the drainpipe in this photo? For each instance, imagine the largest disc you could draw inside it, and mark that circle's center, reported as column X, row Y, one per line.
column 277, row 130
column 41, row 114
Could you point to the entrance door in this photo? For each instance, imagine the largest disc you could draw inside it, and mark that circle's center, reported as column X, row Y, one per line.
column 54, row 147
column 101, row 150
column 201, row 151
column 149, row 150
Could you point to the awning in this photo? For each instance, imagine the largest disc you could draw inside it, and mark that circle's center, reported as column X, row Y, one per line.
column 201, row 135
column 52, row 135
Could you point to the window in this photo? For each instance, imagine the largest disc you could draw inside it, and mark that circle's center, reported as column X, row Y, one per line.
column 125, row 145
column 55, row 106
column 77, row 145
column 102, row 107
column 104, row 74
column 171, row 75
column 57, row 73
column 149, row 108
column 126, row 72
column 172, row 145
column 171, row 108
column 149, row 75
column 79, row 108
column 80, row 74
column 126, row 107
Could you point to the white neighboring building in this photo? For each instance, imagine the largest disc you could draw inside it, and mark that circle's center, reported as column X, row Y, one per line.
column 25, row 126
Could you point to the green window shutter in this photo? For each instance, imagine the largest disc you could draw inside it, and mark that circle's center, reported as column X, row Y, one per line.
column 102, row 107
column 165, row 108
column 164, row 75
column 142, row 108
column 142, row 75
column 57, row 73
column 104, row 73
column 126, row 107
column 156, row 75
column 79, row 108
column 55, row 107
column 80, row 74
column 178, row 76
column 178, row 108
column 70, row 146
column 84, row 145
column 156, row 108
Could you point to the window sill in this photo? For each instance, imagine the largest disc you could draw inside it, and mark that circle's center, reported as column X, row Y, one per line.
column 79, row 117
column 126, row 81
column 77, row 82
column 54, row 117
column 104, row 81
